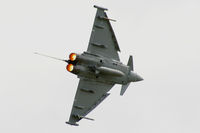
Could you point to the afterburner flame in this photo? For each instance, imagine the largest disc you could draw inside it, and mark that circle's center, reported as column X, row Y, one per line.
column 72, row 56
column 70, row 67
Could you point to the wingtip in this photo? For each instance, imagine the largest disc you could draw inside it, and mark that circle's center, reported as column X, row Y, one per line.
column 72, row 124
column 102, row 8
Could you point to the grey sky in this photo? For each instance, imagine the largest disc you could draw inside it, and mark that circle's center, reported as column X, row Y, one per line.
column 36, row 93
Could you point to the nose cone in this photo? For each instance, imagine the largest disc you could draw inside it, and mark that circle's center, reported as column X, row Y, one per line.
column 138, row 78
column 134, row 77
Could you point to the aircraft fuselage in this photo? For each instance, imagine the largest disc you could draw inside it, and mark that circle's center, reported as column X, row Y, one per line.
column 101, row 69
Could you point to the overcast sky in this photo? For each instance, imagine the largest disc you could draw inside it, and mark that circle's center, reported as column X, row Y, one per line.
column 36, row 93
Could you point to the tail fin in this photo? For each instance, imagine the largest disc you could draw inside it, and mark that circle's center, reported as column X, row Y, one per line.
column 123, row 89
column 130, row 63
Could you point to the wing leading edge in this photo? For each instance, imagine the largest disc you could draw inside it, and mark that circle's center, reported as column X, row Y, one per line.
column 102, row 40
column 88, row 96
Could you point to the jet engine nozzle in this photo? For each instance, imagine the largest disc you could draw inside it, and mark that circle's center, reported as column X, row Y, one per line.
column 70, row 67
column 75, row 68
column 72, row 56
column 85, row 59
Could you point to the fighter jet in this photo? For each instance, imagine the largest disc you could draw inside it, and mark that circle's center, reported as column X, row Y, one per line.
column 99, row 68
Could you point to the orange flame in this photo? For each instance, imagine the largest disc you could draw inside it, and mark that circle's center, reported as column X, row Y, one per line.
column 70, row 67
column 72, row 56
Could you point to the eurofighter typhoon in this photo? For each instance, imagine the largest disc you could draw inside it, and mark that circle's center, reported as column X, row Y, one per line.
column 99, row 68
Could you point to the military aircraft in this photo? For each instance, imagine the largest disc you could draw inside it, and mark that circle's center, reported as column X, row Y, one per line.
column 99, row 68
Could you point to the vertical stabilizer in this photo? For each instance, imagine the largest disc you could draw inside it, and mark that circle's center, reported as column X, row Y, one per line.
column 130, row 63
